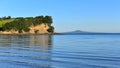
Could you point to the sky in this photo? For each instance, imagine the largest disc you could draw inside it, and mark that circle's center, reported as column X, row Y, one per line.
column 69, row 15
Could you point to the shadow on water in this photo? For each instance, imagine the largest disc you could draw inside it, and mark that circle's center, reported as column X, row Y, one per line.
column 25, row 50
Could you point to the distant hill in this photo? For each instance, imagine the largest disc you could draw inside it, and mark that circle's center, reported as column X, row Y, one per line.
column 76, row 32
column 86, row 33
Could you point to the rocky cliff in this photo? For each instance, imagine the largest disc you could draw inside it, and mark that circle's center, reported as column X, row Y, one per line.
column 39, row 29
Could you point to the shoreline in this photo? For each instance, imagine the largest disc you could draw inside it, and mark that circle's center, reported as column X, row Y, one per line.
column 30, row 34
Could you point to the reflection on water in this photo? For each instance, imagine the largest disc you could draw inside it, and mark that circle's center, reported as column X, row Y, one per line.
column 25, row 51
column 60, row 51
column 43, row 41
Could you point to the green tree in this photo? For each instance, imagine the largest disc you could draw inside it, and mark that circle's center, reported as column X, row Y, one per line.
column 48, row 20
column 51, row 29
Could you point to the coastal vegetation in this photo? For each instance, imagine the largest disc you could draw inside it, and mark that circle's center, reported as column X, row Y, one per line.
column 22, row 24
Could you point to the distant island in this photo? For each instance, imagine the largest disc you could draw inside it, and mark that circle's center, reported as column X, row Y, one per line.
column 79, row 32
column 27, row 25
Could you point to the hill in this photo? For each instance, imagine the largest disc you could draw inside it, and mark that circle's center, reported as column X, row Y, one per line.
column 79, row 32
column 2, row 22
column 76, row 32
column 31, row 25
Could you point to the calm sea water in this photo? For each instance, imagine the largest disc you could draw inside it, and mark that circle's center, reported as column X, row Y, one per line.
column 60, row 51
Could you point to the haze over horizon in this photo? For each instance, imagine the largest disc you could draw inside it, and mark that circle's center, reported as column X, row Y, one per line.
column 69, row 15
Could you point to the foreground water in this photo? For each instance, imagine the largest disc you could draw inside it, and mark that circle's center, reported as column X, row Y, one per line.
column 60, row 51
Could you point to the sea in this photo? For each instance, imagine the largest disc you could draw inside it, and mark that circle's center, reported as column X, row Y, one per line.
column 60, row 51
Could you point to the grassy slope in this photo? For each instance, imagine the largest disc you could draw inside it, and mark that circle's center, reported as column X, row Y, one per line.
column 2, row 22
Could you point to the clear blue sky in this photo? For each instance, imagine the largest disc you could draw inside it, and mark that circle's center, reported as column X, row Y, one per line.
column 69, row 15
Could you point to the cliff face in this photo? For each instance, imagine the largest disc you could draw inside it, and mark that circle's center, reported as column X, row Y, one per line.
column 42, row 28
column 9, row 32
column 39, row 29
